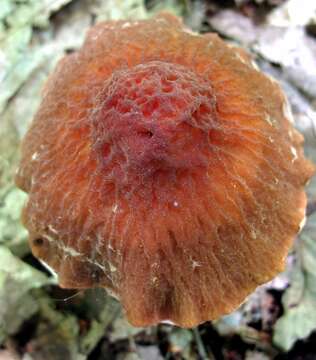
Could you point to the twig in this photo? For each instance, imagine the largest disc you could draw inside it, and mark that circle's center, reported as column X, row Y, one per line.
column 201, row 349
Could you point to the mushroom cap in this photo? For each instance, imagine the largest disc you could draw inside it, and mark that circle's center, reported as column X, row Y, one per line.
column 163, row 166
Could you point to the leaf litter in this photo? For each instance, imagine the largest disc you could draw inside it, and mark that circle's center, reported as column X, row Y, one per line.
column 33, row 36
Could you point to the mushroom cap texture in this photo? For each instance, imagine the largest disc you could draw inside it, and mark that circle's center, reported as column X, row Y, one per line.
column 163, row 166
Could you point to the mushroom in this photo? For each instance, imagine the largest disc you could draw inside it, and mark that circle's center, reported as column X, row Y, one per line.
column 162, row 165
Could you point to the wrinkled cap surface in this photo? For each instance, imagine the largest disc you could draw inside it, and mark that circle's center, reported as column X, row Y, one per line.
column 162, row 165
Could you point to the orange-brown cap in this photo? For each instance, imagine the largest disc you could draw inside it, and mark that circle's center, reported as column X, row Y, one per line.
column 162, row 165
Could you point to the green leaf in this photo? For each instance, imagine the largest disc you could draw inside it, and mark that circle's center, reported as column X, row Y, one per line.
column 16, row 302
column 11, row 231
column 299, row 301
column 60, row 334
column 119, row 9
column 176, row 7
column 180, row 339
column 56, row 333
column 121, row 329
column 29, row 12
column 102, row 310
column 17, row 58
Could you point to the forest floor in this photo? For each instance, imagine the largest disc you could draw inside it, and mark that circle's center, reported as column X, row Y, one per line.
column 38, row 320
